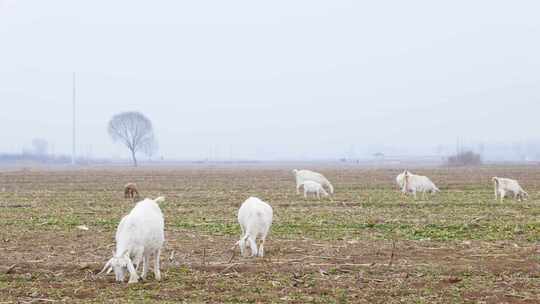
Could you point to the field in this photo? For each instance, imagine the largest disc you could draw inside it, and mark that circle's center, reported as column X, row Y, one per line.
column 367, row 245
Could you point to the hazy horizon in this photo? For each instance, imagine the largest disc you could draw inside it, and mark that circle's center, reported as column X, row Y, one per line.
column 303, row 79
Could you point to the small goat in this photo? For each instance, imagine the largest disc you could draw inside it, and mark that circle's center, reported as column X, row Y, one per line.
column 418, row 183
column 503, row 186
column 302, row 176
column 130, row 191
column 255, row 219
column 139, row 235
column 313, row 187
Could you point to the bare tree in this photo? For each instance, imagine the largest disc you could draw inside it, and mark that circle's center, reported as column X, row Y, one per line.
column 134, row 130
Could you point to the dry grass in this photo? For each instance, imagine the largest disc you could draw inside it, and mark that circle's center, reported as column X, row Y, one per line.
column 368, row 245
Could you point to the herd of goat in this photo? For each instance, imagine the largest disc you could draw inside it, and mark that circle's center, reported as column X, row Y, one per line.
column 140, row 234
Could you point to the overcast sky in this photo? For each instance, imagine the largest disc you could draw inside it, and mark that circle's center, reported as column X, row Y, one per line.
column 279, row 79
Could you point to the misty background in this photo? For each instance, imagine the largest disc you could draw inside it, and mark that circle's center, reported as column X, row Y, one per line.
column 274, row 80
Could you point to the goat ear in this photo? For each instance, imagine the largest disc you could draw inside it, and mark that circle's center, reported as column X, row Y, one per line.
column 107, row 265
column 125, row 254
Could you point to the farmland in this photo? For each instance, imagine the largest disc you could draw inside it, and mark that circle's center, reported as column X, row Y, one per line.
column 368, row 244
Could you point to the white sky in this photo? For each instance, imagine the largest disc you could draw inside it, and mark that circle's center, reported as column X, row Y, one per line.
column 279, row 79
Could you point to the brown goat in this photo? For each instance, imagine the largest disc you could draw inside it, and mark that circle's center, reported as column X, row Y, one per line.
column 130, row 191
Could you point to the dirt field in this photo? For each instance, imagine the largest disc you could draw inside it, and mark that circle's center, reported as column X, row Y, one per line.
column 367, row 245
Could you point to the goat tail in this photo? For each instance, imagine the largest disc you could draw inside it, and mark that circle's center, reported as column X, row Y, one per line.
column 159, row 199
column 495, row 185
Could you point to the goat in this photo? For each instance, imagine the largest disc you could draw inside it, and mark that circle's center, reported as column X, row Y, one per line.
column 130, row 191
column 313, row 187
column 255, row 219
column 302, row 176
column 139, row 235
column 418, row 183
column 503, row 186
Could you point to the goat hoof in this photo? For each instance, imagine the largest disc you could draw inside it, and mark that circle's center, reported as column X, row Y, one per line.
column 133, row 280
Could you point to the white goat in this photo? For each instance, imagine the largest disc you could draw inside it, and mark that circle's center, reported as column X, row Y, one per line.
column 314, row 187
column 139, row 235
column 307, row 175
column 418, row 183
column 255, row 219
column 504, row 186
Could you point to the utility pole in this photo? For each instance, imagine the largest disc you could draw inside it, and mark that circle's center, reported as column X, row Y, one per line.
column 73, row 139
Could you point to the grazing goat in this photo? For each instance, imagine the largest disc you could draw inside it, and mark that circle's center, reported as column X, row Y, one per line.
column 417, row 183
column 503, row 186
column 314, row 187
column 139, row 235
column 307, row 175
column 255, row 219
column 130, row 191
